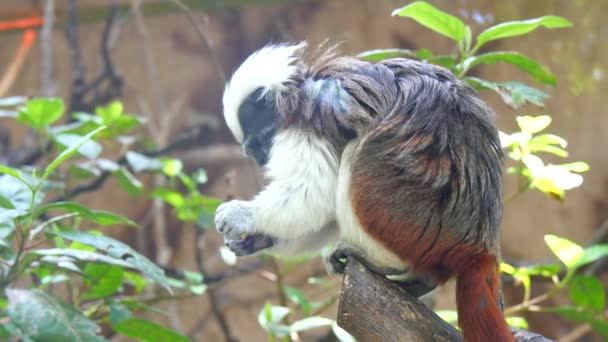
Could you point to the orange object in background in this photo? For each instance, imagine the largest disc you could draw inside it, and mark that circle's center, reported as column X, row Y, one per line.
column 27, row 40
column 21, row 23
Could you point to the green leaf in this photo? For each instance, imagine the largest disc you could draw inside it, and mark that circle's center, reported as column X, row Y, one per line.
column 298, row 297
column 18, row 194
column 42, row 317
column 527, row 64
column 567, row 251
column 575, row 167
column 128, row 182
column 69, row 152
column 517, row 322
column 450, row 316
column 90, row 149
column 172, row 167
column 434, row 19
column 15, row 174
column 588, row 292
column 601, row 327
column 136, row 280
column 101, row 217
column 6, row 203
column 549, row 139
column 41, row 112
column 110, row 112
column 102, row 280
column 174, row 198
column 57, row 255
column 382, row 54
column 514, row 94
column 121, row 251
column 592, row 254
column 577, row 314
column 270, row 317
column 310, row 323
column 140, row 162
column 118, row 312
column 533, row 124
column 517, row 28
column 147, row 331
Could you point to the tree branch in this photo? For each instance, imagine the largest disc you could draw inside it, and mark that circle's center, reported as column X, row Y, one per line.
column 372, row 308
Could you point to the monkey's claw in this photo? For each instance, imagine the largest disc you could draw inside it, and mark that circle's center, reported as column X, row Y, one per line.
column 247, row 244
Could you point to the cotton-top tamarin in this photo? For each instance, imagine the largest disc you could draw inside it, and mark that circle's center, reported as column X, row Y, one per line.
column 396, row 162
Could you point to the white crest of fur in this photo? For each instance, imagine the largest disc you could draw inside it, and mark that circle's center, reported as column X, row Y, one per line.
column 268, row 68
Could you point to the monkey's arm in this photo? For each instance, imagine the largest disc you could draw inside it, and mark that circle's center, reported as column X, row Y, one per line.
column 298, row 204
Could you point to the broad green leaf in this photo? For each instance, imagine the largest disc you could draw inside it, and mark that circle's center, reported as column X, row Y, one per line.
column 567, row 251
column 310, row 323
column 90, row 148
column 342, row 334
column 69, row 152
column 172, row 167
column 140, row 162
column 118, row 312
column 434, row 19
column 525, row 63
column 42, row 317
column 298, row 297
column 41, row 112
column 587, row 291
column 108, row 165
column 101, row 217
column 84, row 170
column 121, row 251
column 102, row 280
column 382, row 54
column 128, row 181
column 558, row 151
column 147, row 331
column 450, row 316
column 136, row 280
column 517, row 28
column 533, row 124
column 538, row 270
column 517, row 322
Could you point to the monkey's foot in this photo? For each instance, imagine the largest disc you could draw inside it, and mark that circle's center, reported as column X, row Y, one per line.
column 247, row 244
column 336, row 261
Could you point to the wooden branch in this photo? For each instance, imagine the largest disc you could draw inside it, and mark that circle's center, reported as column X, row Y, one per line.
column 372, row 308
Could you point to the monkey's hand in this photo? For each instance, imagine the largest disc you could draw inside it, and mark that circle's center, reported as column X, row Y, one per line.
column 235, row 219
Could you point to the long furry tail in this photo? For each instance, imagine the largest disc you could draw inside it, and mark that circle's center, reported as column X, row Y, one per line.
column 477, row 299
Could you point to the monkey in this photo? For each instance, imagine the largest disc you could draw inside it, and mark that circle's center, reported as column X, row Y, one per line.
column 395, row 162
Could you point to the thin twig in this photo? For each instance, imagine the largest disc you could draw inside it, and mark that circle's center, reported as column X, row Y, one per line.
column 211, row 294
column 576, row 334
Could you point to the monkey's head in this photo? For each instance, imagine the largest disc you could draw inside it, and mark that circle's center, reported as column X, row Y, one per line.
column 252, row 96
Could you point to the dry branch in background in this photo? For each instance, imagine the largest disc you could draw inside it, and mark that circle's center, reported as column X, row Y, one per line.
column 372, row 308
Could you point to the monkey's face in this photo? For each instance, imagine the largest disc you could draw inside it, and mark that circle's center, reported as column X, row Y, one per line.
column 249, row 98
column 258, row 121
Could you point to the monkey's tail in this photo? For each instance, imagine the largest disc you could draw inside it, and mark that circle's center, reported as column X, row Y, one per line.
column 477, row 298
